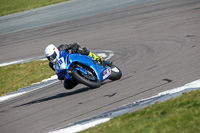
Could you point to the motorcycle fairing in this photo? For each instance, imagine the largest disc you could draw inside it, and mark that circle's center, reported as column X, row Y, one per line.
column 62, row 65
column 88, row 61
column 66, row 60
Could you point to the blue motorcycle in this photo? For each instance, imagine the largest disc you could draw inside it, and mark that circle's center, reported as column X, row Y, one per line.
column 77, row 68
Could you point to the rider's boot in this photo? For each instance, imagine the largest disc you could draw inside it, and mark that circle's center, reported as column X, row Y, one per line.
column 86, row 51
column 99, row 59
column 95, row 57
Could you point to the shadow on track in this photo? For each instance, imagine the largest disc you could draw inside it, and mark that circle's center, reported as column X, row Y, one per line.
column 61, row 95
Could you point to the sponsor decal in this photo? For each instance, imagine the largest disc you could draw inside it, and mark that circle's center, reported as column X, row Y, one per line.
column 105, row 72
column 60, row 64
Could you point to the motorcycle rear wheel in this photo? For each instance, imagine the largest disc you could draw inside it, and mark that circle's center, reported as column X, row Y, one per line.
column 84, row 80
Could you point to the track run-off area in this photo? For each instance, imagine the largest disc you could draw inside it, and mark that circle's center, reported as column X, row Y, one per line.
column 155, row 44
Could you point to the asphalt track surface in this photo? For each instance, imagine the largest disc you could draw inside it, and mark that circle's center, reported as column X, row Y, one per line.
column 156, row 45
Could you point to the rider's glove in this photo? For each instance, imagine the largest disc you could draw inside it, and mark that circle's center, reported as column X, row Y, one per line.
column 75, row 47
column 84, row 51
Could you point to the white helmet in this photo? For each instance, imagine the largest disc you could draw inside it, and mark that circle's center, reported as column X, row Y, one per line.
column 52, row 53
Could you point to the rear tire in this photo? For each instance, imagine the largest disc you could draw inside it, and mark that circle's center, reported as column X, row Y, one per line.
column 80, row 78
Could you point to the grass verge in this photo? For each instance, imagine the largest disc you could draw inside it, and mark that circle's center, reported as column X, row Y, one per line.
column 177, row 115
column 17, row 76
column 13, row 6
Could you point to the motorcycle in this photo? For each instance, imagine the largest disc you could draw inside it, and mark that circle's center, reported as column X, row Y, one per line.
column 83, row 69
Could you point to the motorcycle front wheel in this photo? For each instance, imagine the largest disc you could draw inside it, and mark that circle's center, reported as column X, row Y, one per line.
column 116, row 73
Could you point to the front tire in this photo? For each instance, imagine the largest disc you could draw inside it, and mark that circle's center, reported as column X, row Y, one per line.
column 116, row 73
column 80, row 78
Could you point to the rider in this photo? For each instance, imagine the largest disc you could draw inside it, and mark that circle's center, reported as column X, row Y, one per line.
column 52, row 53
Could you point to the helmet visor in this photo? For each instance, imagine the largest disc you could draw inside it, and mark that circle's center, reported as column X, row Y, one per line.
column 52, row 57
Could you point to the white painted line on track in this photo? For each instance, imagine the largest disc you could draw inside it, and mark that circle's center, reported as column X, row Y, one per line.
column 81, row 127
column 22, row 61
column 6, row 97
column 10, row 63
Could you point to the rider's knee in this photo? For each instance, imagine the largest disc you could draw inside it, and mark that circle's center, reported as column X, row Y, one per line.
column 69, row 84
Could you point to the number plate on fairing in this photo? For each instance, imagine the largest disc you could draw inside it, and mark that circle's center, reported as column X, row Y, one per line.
column 106, row 73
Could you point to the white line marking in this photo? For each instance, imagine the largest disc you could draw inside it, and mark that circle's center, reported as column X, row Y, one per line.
column 81, row 127
column 6, row 97
column 10, row 63
column 22, row 61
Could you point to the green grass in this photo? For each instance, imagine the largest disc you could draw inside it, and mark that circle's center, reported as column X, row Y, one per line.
column 177, row 115
column 17, row 76
column 13, row 6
